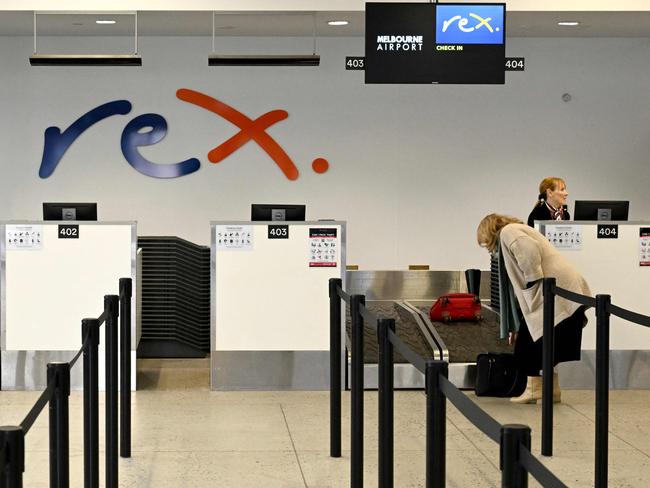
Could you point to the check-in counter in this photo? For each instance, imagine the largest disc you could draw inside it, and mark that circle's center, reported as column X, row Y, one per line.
column 270, row 305
column 53, row 275
column 614, row 258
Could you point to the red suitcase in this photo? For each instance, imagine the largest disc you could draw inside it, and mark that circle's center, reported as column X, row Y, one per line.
column 455, row 307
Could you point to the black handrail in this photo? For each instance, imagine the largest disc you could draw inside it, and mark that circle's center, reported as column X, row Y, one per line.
column 516, row 460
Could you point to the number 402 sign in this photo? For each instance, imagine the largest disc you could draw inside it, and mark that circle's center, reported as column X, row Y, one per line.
column 68, row 231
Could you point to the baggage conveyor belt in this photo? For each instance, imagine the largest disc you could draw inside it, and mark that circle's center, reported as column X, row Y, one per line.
column 458, row 342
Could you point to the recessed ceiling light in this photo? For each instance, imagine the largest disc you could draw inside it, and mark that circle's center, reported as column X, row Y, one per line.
column 338, row 22
column 104, row 22
column 568, row 22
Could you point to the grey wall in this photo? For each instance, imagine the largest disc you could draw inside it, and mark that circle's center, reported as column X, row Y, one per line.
column 413, row 168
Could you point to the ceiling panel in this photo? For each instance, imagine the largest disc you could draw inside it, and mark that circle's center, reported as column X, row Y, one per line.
column 519, row 24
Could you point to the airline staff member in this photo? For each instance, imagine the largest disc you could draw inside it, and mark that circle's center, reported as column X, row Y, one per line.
column 552, row 198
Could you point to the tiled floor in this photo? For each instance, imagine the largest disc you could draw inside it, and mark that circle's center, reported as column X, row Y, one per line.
column 184, row 435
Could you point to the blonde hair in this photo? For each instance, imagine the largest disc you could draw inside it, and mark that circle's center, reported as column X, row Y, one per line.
column 548, row 183
column 487, row 233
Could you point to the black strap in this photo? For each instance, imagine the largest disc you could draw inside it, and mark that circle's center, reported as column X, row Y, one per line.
column 83, row 348
column 102, row 318
column 370, row 318
column 481, row 420
column 342, row 294
column 585, row 300
column 408, row 354
column 637, row 318
column 540, row 472
column 33, row 414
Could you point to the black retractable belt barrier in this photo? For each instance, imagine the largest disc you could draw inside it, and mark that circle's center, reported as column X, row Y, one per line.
column 548, row 346
column 111, row 310
column 90, row 330
column 335, row 367
column 513, row 474
column 356, row 394
column 603, row 311
column 386, row 403
column 12, row 442
column 59, row 373
column 535, row 468
column 126, row 292
column 436, row 424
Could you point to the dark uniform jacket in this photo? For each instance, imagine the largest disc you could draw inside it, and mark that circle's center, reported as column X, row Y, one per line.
column 542, row 212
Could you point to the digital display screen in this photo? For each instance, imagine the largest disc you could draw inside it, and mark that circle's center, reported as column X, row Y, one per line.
column 435, row 43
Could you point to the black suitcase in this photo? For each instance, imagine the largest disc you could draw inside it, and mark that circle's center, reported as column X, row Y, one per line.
column 497, row 375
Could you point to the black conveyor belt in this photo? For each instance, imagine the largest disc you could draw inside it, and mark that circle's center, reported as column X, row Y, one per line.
column 405, row 327
column 466, row 340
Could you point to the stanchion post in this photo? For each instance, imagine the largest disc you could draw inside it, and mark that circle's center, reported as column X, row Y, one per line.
column 548, row 346
column 90, row 329
column 13, row 440
column 111, row 325
column 356, row 393
column 59, row 425
column 603, row 310
column 436, row 443
column 335, row 367
column 513, row 474
column 386, row 403
column 126, row 292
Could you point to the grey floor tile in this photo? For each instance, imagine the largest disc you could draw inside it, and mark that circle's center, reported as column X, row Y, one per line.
column 186, row 435
column 464, row 469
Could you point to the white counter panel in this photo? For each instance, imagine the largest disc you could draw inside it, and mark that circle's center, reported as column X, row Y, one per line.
column 268, row 298
column 49, row 290
column 611, row 266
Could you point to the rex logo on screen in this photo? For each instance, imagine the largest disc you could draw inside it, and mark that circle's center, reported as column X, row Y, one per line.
column 470, row 24
column 149, row 129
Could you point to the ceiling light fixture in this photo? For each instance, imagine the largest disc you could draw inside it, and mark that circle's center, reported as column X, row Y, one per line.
column 338, row 22
column 263, row 59
column 88, row 59
column 568, row 22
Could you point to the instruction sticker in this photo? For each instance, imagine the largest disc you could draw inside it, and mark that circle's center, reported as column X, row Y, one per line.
column 568, row 237
column 323, row 248
column 234, row 237
column 644, row 246
column 24, row 237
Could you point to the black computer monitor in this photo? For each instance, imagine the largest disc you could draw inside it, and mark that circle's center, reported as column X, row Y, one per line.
column 69, row 211
column 601, row 210
column 276, row 211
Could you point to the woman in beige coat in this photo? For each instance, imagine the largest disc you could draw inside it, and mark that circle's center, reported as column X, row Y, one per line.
column 528, row 257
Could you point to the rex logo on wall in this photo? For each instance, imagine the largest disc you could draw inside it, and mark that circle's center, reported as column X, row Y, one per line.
column 57, row 142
